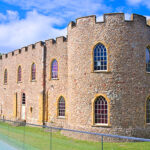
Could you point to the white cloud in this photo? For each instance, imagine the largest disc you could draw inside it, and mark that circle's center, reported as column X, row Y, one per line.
column 34, row 27
column 127, row 16
column 139, row 2
column 64, row 8
column 39, row 24
column 10, row 16
column 148, row 17
column 2, row 17
column 100, row 18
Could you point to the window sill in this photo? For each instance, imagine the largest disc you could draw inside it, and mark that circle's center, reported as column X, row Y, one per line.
column 54, row 79
column 147, row 124
column 19, row 82
column 147, row 72
column 33, row 81
column 100, row 71
column 61, row 117
column 101, row 125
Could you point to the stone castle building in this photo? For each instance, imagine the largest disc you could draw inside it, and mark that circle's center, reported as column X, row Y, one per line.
column 95, row 79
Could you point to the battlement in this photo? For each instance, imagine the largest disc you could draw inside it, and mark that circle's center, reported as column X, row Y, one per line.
column 59, row 40
column 117, row 18
column 22, row 50
column 108, row 18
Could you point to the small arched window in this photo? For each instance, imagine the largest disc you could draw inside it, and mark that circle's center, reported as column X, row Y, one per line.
column 54, row 69
column 33, row 72
column 101, row 110
column 23, row 99
column 19, row 73
column 5, row 76
column 147, row 53
column 100, row 57
column 148, row 110
column 61, row 107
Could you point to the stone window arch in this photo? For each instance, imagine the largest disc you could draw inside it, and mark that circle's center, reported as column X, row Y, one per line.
column 100, row 58
column 33, row 72
column 54, row 69
column 148, row 110
column 19, row 76
column 147, row 53
column 61, row 107
column 23, row 98
column 101, row 108
column 5, row 76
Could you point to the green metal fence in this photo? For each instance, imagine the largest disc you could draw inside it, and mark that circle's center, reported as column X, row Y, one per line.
column 37, row 137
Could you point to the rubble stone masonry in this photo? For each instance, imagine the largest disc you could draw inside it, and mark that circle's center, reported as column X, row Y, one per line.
column 125, row 84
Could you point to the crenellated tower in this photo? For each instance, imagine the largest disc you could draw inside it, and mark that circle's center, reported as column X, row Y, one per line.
column 125, row 83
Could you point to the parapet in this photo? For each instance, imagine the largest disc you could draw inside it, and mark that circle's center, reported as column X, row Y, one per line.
column 82, row 20
column 59, row 40
column 138, row 18
column 111, row 17
column 108, row 18
column 22, row 50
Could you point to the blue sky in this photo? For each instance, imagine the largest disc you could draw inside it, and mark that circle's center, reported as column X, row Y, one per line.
column 23, row 22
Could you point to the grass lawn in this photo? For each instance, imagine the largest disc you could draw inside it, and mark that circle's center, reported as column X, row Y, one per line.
column 33, row 138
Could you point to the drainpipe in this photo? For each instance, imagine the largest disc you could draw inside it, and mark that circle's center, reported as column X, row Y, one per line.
column 44, row 78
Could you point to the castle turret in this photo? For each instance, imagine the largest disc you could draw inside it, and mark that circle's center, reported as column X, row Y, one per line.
column 123, row 83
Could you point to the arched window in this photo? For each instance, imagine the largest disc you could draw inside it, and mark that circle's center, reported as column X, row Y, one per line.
column 147, row 59
column 61, row 107
column 148, row 110
column 54, row 69
column 100, row 57
column 101, row 110
column 5, row 76
column 23, row 99
column 33, row 72
column 19, row 73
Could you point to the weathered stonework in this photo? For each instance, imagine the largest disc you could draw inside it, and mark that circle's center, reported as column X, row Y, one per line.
column 125, row 83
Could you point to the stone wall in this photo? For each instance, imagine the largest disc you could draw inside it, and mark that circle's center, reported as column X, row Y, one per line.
column 125, row 84
column 56, row 87
column 24, row 57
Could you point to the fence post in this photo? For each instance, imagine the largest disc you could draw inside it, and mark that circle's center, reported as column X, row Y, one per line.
column 102, row 142
column 8, row 129
column 24, row 136
column 50, row 138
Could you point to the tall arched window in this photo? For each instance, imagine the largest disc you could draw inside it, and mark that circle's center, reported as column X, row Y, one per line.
column 5, row 76
column 61, row 107
column 23, row 98
column 19, row 74
column 23, row 107
column 33, row 72
column 100, row 57
column 148, row 110
column 101, row 110
column 147, row 59
column 54, row 69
